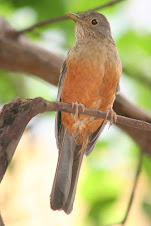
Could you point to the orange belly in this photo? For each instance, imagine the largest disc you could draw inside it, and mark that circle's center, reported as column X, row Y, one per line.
column 88, row 85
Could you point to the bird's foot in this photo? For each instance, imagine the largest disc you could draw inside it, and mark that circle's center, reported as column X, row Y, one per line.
column 113, row 117
column 76, row 106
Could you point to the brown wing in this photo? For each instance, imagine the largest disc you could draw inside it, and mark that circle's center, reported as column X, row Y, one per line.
column 59, row 130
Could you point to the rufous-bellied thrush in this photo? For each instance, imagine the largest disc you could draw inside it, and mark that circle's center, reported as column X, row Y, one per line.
column 89, row 77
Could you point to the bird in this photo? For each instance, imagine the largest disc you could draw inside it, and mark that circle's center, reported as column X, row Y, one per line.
column 89, row 78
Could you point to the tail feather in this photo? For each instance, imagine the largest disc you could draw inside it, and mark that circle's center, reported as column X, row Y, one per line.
column 62, row 180
column 66, row 176
column 75, row 175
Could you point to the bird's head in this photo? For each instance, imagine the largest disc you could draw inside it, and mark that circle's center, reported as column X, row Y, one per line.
column 90, row 24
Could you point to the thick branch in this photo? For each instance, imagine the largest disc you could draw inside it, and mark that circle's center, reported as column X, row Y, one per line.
column 123, row 107
column 21, row 55
column 138, row 76
column 64, row 17
column 15, row 116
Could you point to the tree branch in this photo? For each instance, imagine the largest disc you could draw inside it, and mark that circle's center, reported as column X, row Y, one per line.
column 1, row 221
column 138, row 76
column 133, row 190
column 124, row 107
column 61, row 18
column 122, row 222
column 21, row 55
column 15, row 116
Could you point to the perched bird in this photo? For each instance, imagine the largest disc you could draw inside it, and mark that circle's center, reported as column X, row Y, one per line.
column 89, row 77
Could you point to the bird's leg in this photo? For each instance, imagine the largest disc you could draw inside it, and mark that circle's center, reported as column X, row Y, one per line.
column 76, row 105
column 113, row 116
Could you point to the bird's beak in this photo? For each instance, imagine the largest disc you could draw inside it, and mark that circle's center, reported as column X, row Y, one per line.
column 74, row 17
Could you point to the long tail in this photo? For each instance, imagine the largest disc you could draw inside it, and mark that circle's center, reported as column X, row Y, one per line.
column 66, row 176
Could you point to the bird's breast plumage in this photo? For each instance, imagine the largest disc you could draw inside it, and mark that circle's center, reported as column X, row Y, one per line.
column 91, row 79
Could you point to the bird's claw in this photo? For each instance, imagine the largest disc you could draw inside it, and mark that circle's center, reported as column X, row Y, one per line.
column 76, row 105
column 113, row 117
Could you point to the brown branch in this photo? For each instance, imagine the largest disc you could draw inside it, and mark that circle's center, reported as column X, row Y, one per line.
column 15, row 116
column 133, row 190
column 1, row 221
column 64, row 17
column 138, row 76
column 21, row 55
column 122, row 223
column 106, row 5
column 124, row 107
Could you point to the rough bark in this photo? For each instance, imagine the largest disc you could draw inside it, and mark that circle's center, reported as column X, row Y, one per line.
column 15, row 116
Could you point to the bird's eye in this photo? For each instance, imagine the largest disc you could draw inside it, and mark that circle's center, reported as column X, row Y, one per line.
column 94, row 21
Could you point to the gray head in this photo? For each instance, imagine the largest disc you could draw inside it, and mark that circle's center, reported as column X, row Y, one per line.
column 91, row 24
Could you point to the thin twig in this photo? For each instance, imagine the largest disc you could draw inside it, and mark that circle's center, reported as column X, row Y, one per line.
column 105, row 5
column 43, row 23
column 134, row 189
column 65, row 107
column 61, row 18
column 122, row 223
column 60, row 106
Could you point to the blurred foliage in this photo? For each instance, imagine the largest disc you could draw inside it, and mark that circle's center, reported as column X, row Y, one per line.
column 147, row 209
column 147, row 167
column 10, row 86
column 103, row 186
column 99, row 197
column 135, row 51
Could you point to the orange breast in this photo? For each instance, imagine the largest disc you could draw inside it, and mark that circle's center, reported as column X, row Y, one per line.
column 92, row 83
column 82, row 83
